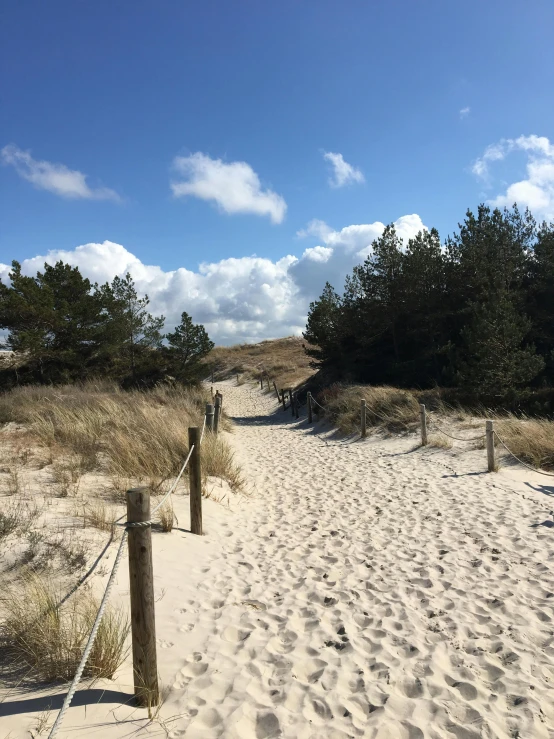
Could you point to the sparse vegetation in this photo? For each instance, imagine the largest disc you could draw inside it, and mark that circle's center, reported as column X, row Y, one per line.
column 47, row 640
column 166, row 517
column 283, row 360
column 390, row 408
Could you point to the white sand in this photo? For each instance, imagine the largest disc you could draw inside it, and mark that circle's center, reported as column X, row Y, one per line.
column 366, row 589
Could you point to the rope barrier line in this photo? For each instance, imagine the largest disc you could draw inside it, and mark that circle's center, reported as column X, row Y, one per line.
column 203, row 429
column 92, row 637
column 529, row 467
column 456, row 438
column 90, row 642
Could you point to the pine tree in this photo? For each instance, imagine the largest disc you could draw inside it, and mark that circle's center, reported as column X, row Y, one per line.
column 188, row 344
column 130, row 329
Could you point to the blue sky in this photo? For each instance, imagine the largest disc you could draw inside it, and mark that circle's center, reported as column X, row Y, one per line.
column 158, row 136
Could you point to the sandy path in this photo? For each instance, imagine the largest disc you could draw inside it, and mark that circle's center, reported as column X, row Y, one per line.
column 366, row 589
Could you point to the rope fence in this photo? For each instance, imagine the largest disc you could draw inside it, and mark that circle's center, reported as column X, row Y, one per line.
column 489, row 435
column 138, row 527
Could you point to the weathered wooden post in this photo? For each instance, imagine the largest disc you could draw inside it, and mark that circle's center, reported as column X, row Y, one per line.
column 275, row 388
column 491, row 461
column 210, row 416
column 309, row 400
column 217, row 413
column 296, row 406
column 363, row 419
column 262, row 382
column 195, row 482
column 283, row 398
column 141, row 579
column 238, row 383
column 291, row 400
column 423, row 418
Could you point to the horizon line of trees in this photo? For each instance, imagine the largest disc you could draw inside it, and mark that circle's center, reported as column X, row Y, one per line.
column 67, row 329
column 475, row 313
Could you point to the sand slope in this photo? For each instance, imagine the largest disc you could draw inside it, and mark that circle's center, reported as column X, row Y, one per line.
column 366, row 589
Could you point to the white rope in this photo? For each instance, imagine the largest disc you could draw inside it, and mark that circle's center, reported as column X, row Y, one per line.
column 456, row 438
column 90, row 642
column 104, row 602
column 172, row 488
column 203, row 429
column 529, row 467
column 319, row 404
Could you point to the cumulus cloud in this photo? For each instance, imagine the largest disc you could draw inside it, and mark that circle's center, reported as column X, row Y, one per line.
column 246, row 299
column 342, row 172
column 464, row 112
column 56, row 178
column 536, row 190
column 341, row 250
column 234, row 186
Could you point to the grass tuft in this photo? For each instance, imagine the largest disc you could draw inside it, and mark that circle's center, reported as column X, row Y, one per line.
column 48, row 641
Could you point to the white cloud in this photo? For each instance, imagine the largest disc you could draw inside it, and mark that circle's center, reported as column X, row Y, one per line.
column 315, row 227
column 343, row 173
column 464, row 112
column 56, row 178
column 246, row 299
column 536, row 191
column 234, row 186
column 341, row 251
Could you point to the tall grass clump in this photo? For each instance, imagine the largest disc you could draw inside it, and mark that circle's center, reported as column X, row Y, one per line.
column 140, row 437
column 390, row 408
column 532, row 440
column 47, row 641
column 218, row 461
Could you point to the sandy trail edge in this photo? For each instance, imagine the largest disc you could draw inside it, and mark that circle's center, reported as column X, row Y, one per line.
column 366, row 589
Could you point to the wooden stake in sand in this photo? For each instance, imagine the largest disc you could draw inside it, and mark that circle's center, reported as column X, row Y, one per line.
column 217, row 413
column 141, row 578
column 489, row 431
column 195, row 482
column 275, row 388
column 309, row 399
column 283, row 398
column 291, row 400
column 296, row 406
column 363, row 419
column 423, row 417
column 210, row 416
column 262, row 382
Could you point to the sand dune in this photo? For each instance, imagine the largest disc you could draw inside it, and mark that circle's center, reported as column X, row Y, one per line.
column 364, row 589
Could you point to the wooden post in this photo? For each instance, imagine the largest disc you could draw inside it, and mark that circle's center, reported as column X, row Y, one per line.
column 283, row 397
column 217, row 413
column 262, row 382
column 296, row 406
column 210, row 416
column 309, row 398
column 423, row 417
column 291, row 400
column 195, row 482
column 491, row 461
column 363, row 424
column 212, row 392
column 275, row 388
column 268, row 383
column 141, row 579
column 238, row 383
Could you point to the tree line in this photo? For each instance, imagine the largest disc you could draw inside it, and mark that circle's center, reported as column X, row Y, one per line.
column 66, row 329
column 475, row 313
